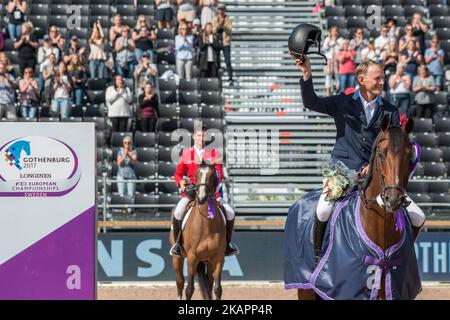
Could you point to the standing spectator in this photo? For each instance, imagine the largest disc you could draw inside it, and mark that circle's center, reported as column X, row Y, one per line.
column 390, row 60
column 393, row 30
column 9, row 66
column 223, row 26
column 125, row 56
column 330, row 48
column 62, row 89
column 358, row 43
column 143, row 36
column 411, row 57
column 186, row 11
column 164, row 13
column 2, row 37
column 116, row 29
column 77, row 74
column 409, row 35
column 208, row 11
column 184, row 52
column 7, row 97
column 347, row 66
column 196, row 31
column 423, row 87
column 28, row 88
column 419, row 30
column 74, row 49
column 48, row 74
column 126, row 160
column 148, row 106
column 97, row 56
column 118, row 100
column 208, row 59
column 434, row 58
column 382, row 41
column 43, row 56
column 57, row 39
column 26, row 45
column 145, row 72
column 400, row 89
column 17, row 9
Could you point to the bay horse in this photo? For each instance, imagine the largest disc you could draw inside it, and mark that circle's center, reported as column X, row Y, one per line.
column 388, row 176
column 203, row 239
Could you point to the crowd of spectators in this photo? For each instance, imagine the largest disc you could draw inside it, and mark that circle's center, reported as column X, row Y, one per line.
column 52, row 71
column 413, row 70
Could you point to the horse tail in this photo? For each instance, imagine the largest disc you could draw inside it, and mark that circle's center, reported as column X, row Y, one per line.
column 203, row 281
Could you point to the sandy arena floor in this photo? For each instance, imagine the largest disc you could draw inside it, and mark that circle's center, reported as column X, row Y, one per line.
column 232, row 291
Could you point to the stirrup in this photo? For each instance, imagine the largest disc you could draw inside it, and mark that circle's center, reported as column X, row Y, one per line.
column 173, row 252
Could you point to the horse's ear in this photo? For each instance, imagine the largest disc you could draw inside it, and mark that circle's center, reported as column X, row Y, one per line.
column 385, row 122
column 409, row 125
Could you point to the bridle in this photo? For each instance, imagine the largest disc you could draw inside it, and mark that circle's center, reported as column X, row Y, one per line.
column 384, row 188
column 210, row 191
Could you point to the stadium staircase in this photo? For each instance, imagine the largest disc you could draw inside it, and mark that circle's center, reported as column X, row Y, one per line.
column 264, row 108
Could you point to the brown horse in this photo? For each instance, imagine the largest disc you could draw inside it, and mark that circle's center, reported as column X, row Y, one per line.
column 388, row 176
column 203, row 240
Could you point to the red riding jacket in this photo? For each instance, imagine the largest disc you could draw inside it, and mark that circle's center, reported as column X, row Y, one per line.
column 189, row 164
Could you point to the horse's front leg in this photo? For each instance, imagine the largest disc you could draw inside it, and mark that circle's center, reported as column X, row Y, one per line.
column 177, row 263
column 192, row 268
column 217, row 279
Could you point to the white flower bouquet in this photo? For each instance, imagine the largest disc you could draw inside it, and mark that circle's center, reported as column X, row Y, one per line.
column 339, row 179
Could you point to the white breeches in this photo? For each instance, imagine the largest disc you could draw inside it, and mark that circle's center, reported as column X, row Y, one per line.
column 324, row 210
column 182, row 204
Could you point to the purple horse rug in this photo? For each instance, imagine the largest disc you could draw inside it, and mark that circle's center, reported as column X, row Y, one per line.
column 351, row 264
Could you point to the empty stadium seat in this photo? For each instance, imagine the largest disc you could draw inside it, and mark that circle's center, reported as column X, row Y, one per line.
column 336, row 11
column 367, row 3
column 188, row 84
column 96, row 84
column 444, row 139
column 417, row 187
column 167, row 187
column 211, row 98
column 100, row 123
column 145, row 170
column 117, row 199
column 144, row 139
column 168, row 97
column 438, row 187
column 393, row 10
column 167, row 110
column 209, row 84
column 353, row 11
column 337, row 21
column 146, row 199
column 146, row 154
column 434, row 169
column 189, row 111
column 165, row 34
column 420, row 198
column 213, row 123
column 431, row 155
column 188, row 123
column 167, row 84
column 167, row 139
column 166, row 170
column 188, row 98
column 165, row 154
column 446, row 154
column 409, row 11
column 166, row 124
column 423, row 125
column 426, row 139
column 146, row 188
column 212, row 111
column 437, row 11
column 441, row 125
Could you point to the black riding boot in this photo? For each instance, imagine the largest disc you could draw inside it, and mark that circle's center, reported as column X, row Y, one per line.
column 318, row 236
column 231, row 248
column 416, row 231
column 177, row 249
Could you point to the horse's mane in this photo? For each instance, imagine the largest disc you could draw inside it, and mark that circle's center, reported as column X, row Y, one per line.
column 368, row 179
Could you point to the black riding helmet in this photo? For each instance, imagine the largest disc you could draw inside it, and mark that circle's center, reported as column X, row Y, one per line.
column 302, row 38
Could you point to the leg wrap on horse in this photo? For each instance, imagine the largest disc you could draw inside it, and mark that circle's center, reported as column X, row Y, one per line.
column 324, row 208
column 415, row 213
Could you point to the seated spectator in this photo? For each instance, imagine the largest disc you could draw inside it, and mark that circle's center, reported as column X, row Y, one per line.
column 186, row 11
column 28, row 88
column 358, row 43
column 17, row 10
column 118, row 101
column 184, row 52
column 57, row 39
column 372, row 53
column 393, row 30
column 126, row 160
column 411, row 57
column 391, row 59
column 419, row 30
column 209, row 11
column 74, row 49
column 434, row 58
column 116, row 30
column 148, row 107
column 382, row 41
column 143, row 36
column 97, row 56
column 409, row 35
column 7, row 94
column 125, row 57
column 43, row 56
column 9, row 66
column 424, row 87
column 164, row 14
column 146, row 72
column 208, row 45
column 26, row 46
column 48, row 74
column 330, row 48
column 77, row 74
column 62, row 89
column 347, row 66
column 400, row 89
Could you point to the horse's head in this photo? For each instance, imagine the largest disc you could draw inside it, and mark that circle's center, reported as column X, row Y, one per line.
column 26, row 147
column 391, row 163
column 206, row 182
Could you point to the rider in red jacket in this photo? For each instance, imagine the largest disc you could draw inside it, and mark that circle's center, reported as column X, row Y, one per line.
column 188, row 164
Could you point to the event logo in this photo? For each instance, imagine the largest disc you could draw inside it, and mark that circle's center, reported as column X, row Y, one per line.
column 38, row 166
